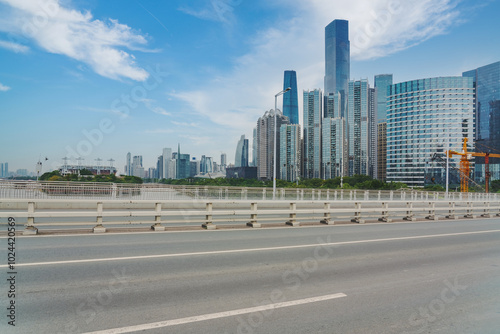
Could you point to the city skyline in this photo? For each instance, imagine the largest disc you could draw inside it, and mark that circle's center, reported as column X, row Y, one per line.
column 78, row 103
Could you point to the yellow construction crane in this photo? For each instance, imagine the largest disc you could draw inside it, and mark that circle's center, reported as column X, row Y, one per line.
column 465, row 156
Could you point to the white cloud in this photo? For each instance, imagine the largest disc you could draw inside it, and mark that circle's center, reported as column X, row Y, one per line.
column 217, row 10
column 150, row 104
column 17, row 48
column 108, row 111
column 4, row 88
column 377, row 28
column 78, row 35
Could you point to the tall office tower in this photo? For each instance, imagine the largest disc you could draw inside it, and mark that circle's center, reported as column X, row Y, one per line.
column 265, row 143
column 337, row 60
column 313, row 106
column 290, row 99
column 128, row 165
column 223, row 160
column 255, row 149
column 358, row 127
column 241, row 156
column 203, row 163
column 334, row 150
column 487, row 116
column 137, row 168
column 183, row 166
column 382, row 82
column 159, row 167
column 290, row 152
column 424, row 117
column 167, row 164
column 372, row 132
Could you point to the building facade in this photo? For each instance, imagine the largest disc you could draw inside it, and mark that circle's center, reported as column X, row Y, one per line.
column 265, row 144
column 487, row 116
column 360, row 100
column 334, row 150
column 241, row 156
column 290, row 99
column 425, row 117
column 290, row 152
column 313, row 110
column 382, row 82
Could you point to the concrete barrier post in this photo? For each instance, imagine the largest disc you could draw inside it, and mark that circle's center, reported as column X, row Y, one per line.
column 470, row 210
column 451, row 212
column 486, row 213
column 385, row 213
column 432, row 211
column 409, row 212
column 326, row 215
column 357, row 214
column 378, row 197
column 293, row 216
column 208, row 218
column 99, row 228
column 264, row 194
column 30, row 226
column 157, row 225
column 253, row 216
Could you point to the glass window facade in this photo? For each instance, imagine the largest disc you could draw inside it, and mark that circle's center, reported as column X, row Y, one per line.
column 290, row 99
column 313, row 106
column 487, row 111
column 425, row 117
column 290, row 152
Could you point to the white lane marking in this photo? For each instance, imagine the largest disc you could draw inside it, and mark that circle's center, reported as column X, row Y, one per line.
column 142, row 257
column 218, row 315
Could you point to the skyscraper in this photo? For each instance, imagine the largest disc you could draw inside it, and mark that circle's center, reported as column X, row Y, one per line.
column 167, row 164
column 424, row 117
column 313, row 106
column 183, row 164
column 290, row 152
column 265, row 144
column 255, row 149
column 487, row 115
column 223, row 160
column 337, row 59
column 334, row 150
column 382, row 82
column 290, row 99
column 358, row 127
column 241, row 156
column 128, row 165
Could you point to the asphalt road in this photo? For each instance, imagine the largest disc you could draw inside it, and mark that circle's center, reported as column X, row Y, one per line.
column 422, row 277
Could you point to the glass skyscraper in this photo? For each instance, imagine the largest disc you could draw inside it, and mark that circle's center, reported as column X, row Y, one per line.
column 487, row 111
column 382, row 82
column 313, row 106
column 337, row 59
column 290, row 149
column 241, row 156
column 290, row 99
column 424, row 117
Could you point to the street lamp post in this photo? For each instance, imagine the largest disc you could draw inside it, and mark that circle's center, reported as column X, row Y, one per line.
column 275, row 135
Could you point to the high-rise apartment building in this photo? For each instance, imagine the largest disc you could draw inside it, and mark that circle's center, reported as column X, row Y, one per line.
column 372, row 132
column 382, row 82
column 137, row 168
column 360, row 106
column 334, row 148
column 128, row 165
column 265, row 144
column 241, row 156
column 255, row 149
column 167, row 171
column 223, row 160
column 313, row 110
column 290, row 152
column 487, row 116
column 424, row 117
column 290, row 99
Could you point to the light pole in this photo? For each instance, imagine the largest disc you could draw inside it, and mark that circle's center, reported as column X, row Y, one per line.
column 275, row 135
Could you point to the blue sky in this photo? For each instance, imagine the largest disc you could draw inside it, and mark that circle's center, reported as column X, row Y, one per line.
column 98, row 79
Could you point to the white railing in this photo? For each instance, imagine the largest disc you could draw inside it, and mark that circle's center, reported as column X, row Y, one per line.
column 159, row 214
column 104, row 191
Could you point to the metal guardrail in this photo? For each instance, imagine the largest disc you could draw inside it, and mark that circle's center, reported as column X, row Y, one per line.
column 104, row 191
column 253, row 213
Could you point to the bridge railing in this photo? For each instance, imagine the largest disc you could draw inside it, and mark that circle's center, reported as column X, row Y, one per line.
column 211, row 213
column 104, row 191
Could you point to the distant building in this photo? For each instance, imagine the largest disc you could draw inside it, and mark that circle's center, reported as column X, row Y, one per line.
column 265, row 143
column 290, row 99
column 128, row 165
column 487, row 116
column 223, row 160
column 168, row 170
column 424, row 117
column 4, row 169
column 334, row 148
column 382, row 82
column 183, row 163
column 359, row 131
column 290, row 152
column 241, row 156
column 255, row 149
column 313, row 109
column 137, row 168
column 241, row 172
column 66, row 169
column 22, row 172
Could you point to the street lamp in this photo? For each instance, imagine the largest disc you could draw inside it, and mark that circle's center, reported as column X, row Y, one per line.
column 275, row 135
